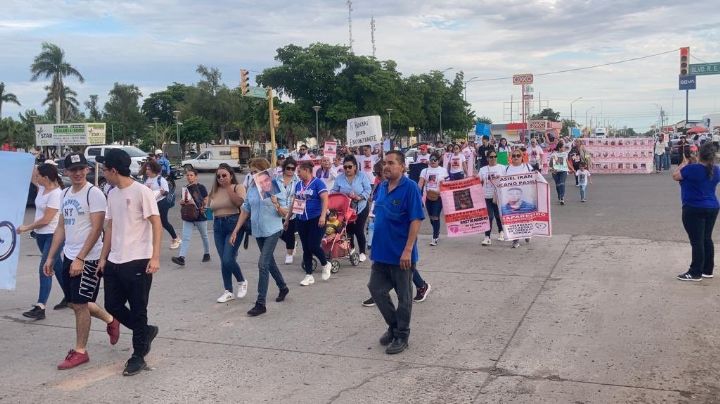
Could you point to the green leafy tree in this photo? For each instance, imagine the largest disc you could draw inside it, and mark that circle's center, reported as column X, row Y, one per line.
column 162, row 104
column 123, row 112
column 484, row 119
column 566, row 124
column 51, row 63
column 547, row 114
column 69, row 109
column 6, row 98
column 195, row 130
column 91, row 105
column 16, row 134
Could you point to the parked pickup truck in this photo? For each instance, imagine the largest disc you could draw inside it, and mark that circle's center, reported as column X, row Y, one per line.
column 236, row 156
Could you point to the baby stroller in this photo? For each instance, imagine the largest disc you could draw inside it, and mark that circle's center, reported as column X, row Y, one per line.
column 337, row 245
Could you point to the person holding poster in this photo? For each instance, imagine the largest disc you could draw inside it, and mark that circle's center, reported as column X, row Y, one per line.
column 337, row 167
column 518, row 167
column 535, row 157
column 489, row 173
column 398, row 214
column 264, row 183
column 423, row 156
column 47, row 213
column 366, row 161
column 195, row 194
column 458, row 164
column 559, row 170
column 287, row 185
column 503, row 150
column 430, row 179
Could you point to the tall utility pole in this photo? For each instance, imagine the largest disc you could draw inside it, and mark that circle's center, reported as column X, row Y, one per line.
column 372, row 34
column 177, row 132
column 271, row 115
column 350, row 10
column 389, row 111
column 316, row 108
column 156, row 119
column 571, row 103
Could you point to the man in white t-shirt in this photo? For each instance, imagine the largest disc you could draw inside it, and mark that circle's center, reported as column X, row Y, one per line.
column 130, row 253
column 83, row 214
column 366, row 162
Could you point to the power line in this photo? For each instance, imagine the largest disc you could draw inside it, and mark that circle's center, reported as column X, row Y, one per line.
column 695, row 57
column 587, row 67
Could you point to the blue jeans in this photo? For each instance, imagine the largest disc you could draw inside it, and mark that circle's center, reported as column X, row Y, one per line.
column 187, row 235
column 311, row 236
column 223, row 228
column 417, row 279
column 433, row 209
column 559, row 177
column 583, row 191
column 659, row 159
column 43, row 242
column 268, row 266
column 457, row 176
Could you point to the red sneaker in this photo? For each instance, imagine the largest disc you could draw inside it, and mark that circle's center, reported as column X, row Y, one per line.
column 73, row 359
column 113, row 330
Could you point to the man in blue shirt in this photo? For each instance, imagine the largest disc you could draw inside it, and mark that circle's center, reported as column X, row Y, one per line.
column 398, row 214
column 164, row 163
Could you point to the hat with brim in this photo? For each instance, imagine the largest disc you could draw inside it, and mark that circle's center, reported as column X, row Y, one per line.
column 73, row 160
column 117, row 159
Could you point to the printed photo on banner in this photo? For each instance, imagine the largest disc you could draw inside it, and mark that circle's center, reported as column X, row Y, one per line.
column 524, row 201
column 265, row 185
column 17, row 169
column 620, row 155
column 330, row 149
column 364, row 131
column 463, row 206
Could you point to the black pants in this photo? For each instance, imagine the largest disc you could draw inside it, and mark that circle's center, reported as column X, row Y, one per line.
column 383, row 278
column 128, row 283
column 699, row 223
column 493, row 213
column 288, row 235
column 311, row 236
column 357, row 229
column 164, row 208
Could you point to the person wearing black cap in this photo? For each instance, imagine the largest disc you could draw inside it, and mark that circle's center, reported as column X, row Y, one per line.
column 130, row 253
column 83, row 214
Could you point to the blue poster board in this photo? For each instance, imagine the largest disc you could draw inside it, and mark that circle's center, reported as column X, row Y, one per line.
column 17, row 170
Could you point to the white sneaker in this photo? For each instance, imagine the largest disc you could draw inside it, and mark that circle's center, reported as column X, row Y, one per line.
column 175, row 244
column 362, row 257
column 307, row 280
column 226, row 297
column 434, row 242
column 326, row 271
column 242, row 289
column 288, row 259
column 501, row 237
column 486, row 241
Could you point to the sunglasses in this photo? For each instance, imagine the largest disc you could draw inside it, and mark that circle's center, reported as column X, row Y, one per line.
column 292, row 168
column 350, row 167
column 434, row 160
column 492, row 157
column 517, row 155
column 222, row 176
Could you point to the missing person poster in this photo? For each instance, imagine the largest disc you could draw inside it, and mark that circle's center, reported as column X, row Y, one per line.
column 17, row 169
column 524, row 202
column 620, row 155
column 464, row 207
column 265, row 184
column 330, row 149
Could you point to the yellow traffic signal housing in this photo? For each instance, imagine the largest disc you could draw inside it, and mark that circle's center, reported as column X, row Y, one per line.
column 244, row 78
column 276, row 118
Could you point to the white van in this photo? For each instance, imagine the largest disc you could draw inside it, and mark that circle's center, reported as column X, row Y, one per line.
column 213, row 156
column 137, row 156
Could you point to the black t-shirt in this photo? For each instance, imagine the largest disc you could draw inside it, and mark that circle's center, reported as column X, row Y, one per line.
column 483, row 151
column 575, row 158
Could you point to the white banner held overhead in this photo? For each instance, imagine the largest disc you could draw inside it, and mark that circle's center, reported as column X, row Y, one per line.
column 364, row 131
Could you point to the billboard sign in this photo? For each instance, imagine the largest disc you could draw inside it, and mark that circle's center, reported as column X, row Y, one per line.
column 70, row 134
column 519, row 79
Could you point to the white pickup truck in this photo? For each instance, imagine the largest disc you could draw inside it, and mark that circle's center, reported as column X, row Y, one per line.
column 236, row 156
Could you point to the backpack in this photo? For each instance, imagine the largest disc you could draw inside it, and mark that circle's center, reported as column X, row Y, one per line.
column 170, row 195
column 87, row 196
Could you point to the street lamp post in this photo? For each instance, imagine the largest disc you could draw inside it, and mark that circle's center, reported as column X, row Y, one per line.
column 177, row 131
column 156, row 119
column 441, row 104
column 571, row 103
column 389, row 111
column 465, row 83
column 586, row 115
column 316, row 108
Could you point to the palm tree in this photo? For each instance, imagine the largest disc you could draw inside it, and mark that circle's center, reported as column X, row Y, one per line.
column 50, row 63
column 68, row 102
column 6, row 97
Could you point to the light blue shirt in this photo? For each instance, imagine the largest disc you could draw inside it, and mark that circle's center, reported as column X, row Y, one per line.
column 265, row 220
column 289, row 191
column 360, row 185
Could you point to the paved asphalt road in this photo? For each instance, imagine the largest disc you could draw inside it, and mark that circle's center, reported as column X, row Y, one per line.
column 592, row 314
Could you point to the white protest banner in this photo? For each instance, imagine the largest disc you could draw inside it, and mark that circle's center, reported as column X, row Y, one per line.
column 362, row 131
column 17, row 170
column 464, row 207
column 524, row 202
column 330, row 150
column 70, row 134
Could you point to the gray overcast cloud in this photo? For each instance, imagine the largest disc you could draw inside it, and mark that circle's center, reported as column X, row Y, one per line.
column 155, row 42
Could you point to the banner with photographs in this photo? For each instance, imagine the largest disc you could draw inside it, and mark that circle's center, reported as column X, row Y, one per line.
column 265, row 184
column 620, row 155
column 524, row 201
column 464, row 207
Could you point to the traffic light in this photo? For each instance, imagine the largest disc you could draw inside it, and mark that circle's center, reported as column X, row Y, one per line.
column 244, row 81
column 276, row 118
column 684, row 61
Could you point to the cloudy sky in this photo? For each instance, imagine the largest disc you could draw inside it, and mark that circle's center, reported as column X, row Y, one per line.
column 151, row 43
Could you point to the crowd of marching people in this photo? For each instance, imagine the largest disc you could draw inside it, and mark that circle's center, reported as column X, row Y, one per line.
column 85, row 233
